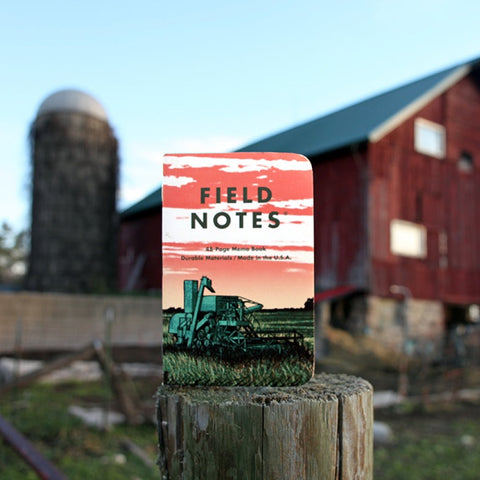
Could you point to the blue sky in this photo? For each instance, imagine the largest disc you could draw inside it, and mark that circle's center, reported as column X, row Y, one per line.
column 209, row 76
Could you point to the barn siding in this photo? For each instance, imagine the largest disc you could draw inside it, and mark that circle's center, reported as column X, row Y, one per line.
column 434, row 192
column 340, row 221
column 141, row 235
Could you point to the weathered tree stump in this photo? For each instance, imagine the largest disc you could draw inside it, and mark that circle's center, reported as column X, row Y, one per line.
column 321, row 430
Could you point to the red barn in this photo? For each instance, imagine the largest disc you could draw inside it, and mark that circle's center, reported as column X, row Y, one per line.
column 140, row 245
column 397, row 198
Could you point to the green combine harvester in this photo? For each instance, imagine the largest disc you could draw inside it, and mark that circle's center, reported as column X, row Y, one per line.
column 225, row 325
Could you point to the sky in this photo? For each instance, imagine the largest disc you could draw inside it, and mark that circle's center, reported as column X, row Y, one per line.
column 211, row 76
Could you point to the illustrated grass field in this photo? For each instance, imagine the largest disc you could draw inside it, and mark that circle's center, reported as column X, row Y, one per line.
column 282, row 363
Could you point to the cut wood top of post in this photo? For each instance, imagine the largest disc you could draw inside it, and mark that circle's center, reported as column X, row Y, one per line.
column 322, row 387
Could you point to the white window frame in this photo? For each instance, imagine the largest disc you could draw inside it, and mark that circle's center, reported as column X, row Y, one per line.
column 408, row 239
column 430, row 138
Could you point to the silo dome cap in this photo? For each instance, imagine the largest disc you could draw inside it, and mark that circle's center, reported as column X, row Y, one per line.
column 71, row 100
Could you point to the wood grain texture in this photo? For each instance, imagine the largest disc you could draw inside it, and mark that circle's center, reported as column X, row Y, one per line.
column 321, row 430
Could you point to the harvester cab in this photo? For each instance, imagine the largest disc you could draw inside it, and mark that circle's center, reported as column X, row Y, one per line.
column 213, row 322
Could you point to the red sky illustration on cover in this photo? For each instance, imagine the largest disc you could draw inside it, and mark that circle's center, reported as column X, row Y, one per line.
column 245, row 220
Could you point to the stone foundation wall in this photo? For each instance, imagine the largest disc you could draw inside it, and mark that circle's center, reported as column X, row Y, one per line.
column 417, row 325
column 48, row 321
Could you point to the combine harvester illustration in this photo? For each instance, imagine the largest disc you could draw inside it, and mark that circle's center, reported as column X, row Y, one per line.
column 225, row 325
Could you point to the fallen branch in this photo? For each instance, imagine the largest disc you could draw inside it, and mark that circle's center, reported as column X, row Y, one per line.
column 62, row 362
column 118, row 379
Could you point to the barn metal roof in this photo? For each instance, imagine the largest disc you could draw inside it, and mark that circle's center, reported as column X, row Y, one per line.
column 361, row 122
column 153, row 200
column 368, row 120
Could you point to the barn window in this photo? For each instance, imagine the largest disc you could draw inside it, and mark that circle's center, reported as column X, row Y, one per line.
column 429, row 138
column 408, row 239
column 465, row 162
column 474, row 313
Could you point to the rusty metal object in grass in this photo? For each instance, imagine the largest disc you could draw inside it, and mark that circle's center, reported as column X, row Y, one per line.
column 23, row 447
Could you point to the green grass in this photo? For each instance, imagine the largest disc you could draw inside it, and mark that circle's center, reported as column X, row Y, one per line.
column 41, row 415
column 432, row 446
column 441, row 443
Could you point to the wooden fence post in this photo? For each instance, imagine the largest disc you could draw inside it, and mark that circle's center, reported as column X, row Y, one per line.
column 321, row 430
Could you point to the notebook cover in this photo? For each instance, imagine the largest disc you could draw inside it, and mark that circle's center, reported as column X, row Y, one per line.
column 238, row 273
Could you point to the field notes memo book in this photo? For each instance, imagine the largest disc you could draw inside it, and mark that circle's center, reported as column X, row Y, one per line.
column 238, row 276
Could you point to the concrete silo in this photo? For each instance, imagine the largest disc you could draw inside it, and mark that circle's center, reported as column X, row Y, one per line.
column 75, row 166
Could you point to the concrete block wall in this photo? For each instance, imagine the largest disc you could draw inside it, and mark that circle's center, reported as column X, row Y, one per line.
column 41, row 321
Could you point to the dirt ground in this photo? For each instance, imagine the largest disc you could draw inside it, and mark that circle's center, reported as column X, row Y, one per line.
column 438, row 398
